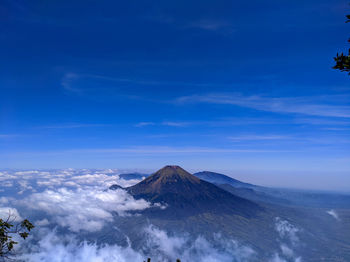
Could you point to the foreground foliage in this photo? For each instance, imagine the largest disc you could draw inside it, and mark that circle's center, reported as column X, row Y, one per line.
column 8, row 229
column 343, row 61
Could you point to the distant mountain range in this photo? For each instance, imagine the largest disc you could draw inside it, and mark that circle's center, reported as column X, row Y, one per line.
column 278, row 196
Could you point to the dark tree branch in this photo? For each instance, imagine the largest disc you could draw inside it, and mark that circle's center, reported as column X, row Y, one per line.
column 342, row 62
column 8, row 229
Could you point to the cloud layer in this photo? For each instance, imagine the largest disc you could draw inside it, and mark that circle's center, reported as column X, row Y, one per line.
column 157, row 244
column 83, row 209
column 77, row 200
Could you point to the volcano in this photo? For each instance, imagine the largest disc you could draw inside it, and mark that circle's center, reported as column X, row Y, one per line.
column 185, row 194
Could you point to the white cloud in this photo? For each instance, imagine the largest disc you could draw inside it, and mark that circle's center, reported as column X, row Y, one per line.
column 157, row 244
column 169, row 248
column 10, row 213
column 176, row 124
column 75, row 199
column 286, row 230
column 42, row 222
column 333, row 213
column 67, row 81
column 53, row 248
column 79, row 178
column 166, row 123
column 7, row 184
column 288, row 239
column 142, row 124
column 277, row 258
column 258, row 137
column 288, row 252
column 83, row 209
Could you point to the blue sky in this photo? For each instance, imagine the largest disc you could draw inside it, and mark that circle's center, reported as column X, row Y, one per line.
column 242, row 87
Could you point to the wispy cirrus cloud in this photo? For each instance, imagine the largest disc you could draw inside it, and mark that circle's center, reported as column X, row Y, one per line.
column 228, row 121
column 322, row 121
column 296, row 139
column 296, row 105
column 176, row 124
column 337, row 129
column 67, row 81
column 80, row 83
column 258, row 137
column 167, row 123
column 73, row 125
column 143, row 124
column 329, row 123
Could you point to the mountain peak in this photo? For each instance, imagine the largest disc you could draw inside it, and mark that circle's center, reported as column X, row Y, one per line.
column 170, row 178
column 172, row 167
column 172, row 171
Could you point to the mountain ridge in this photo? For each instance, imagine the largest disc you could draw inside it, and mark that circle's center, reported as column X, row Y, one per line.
column 217, row 178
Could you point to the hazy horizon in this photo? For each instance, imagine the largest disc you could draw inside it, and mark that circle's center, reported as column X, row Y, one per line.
column 279, row 180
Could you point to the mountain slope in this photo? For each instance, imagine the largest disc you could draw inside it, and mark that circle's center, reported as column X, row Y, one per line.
column 255, row 195
column 217, row 178
column 185, row 194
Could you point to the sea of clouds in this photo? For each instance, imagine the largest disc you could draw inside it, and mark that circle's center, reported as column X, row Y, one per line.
column 76, row 199
column 66, row 204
